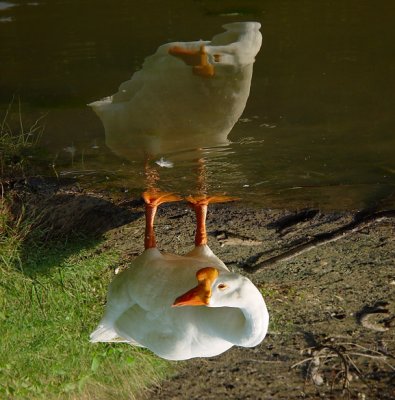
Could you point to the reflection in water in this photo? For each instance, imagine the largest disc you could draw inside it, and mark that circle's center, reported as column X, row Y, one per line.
column 188, row 95
column 4, row 5
column 319, row 119
column 156, row 303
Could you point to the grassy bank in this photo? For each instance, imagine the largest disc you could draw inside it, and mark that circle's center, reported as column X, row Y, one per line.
column 52, row 295
column 50, row 300
column 18, row 141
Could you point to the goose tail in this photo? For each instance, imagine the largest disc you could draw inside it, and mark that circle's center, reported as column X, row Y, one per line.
column 105, row 333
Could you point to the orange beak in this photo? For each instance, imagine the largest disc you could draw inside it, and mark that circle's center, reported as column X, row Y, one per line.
column 201, row 294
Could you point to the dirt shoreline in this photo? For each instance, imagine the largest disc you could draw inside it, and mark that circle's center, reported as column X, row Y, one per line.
column 332, row 307
column 332, row 310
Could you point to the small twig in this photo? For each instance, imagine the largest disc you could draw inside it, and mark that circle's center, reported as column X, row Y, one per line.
column 301, row 362
column 359, row 372
column 310, row 358
column 368, row 355
column 335, row 379
column 382, row 359
column 344, row 362
column 360, row 346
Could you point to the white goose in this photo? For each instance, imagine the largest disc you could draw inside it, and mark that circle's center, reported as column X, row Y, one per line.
column 187, row 95
column 156, row 303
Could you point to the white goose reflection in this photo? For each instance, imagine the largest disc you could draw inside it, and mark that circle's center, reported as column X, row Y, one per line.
column 187, row 95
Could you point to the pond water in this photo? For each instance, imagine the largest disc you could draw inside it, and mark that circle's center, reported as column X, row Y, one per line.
column 318, row 128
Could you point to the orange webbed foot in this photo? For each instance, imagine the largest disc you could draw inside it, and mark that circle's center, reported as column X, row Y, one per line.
column 198, row 59
column 155, row 197
column 205, row 200
column 189, row 56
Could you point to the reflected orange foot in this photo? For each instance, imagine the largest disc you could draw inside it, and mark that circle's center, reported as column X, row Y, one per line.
column 189, row 56
column 196, row 58
column 156, row 197
column 205, row 200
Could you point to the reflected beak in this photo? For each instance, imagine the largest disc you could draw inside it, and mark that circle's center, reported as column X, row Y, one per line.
column 201, row 294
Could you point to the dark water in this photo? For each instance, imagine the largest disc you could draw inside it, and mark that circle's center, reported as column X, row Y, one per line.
column 318, row 129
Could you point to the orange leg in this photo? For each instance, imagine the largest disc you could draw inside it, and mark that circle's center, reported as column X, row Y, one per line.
column 152, row 200
column 151, row 175
column 200, row 205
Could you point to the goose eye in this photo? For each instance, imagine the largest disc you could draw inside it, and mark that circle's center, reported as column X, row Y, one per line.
column 222, row 286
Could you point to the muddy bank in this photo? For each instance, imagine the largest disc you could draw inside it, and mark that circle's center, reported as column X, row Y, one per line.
column 331, row 304
column 328, row 280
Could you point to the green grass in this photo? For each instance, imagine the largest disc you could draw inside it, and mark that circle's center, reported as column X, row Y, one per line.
column 18, row 140
column 51, row 298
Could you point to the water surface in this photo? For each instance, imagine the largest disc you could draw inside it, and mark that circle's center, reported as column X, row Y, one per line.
column 318, row 129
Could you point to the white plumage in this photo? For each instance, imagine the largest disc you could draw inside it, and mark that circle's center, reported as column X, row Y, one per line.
column 187, row 95
column 139, row 308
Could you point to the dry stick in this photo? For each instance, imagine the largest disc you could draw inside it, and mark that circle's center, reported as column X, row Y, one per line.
column 380, row 353
column 343, row 362
column 356, row 225
column 311, row 358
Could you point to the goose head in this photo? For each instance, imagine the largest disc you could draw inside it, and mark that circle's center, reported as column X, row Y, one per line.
column 219, row 288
